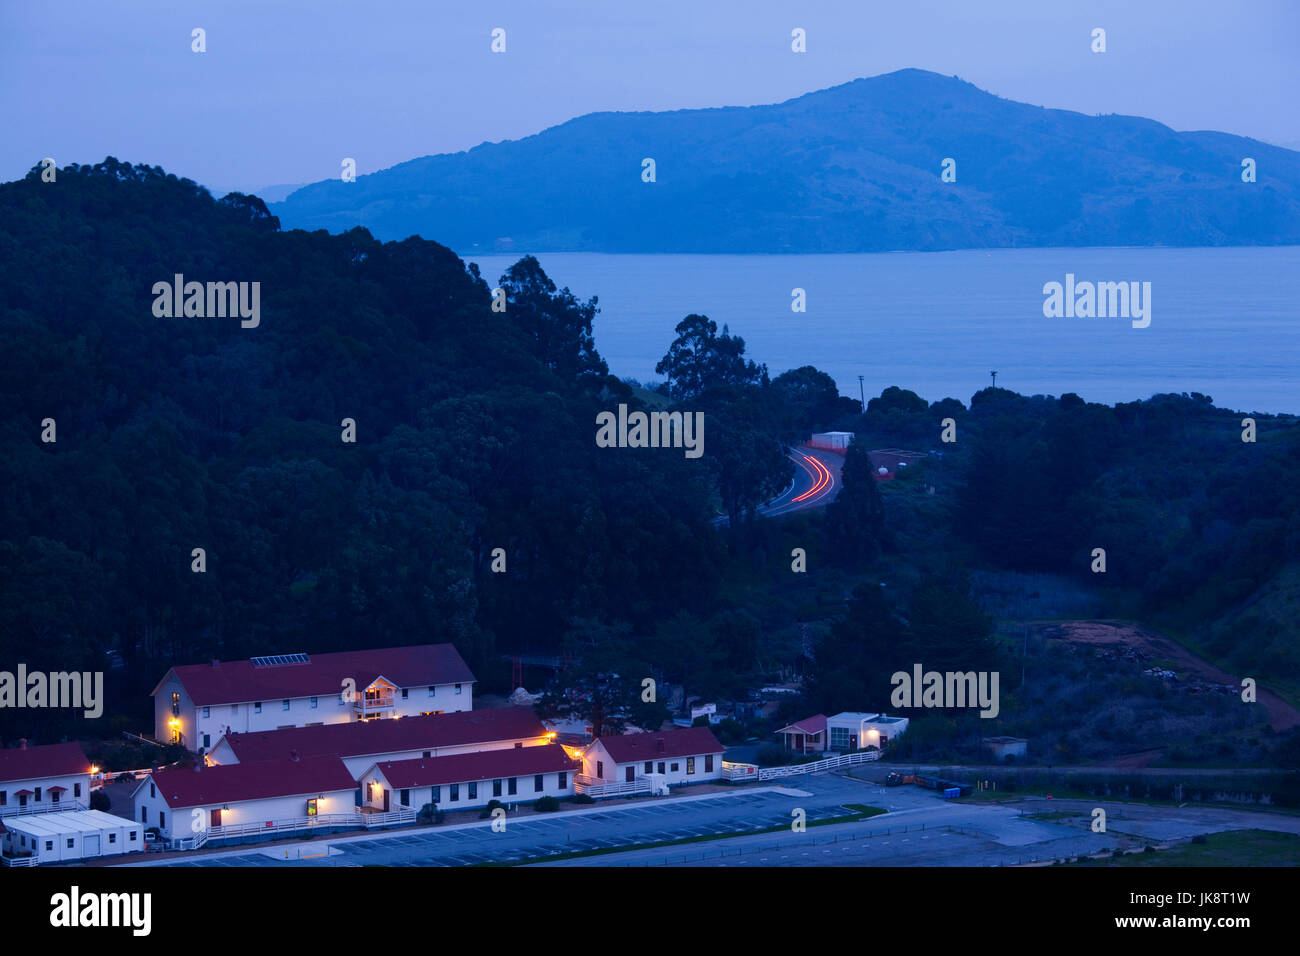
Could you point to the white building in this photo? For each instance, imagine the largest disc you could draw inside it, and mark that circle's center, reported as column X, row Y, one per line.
column 362, row 744
column 195, row 704
column 44, row 778
column 852, row 730
column 470, row 780
column 69, row 835
column 681, row 755
column 244, row 797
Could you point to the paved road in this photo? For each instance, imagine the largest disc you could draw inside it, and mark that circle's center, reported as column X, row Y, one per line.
column 815, row 485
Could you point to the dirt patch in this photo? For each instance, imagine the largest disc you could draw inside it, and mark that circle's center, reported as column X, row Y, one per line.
column 1141, row 644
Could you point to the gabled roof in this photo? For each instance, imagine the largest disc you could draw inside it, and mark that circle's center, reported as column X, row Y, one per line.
column 361, row 738
column 484, row 765
column 237, row 682
column 680, row 742
column 49, row 760
column 809, row 725
column 257, row 780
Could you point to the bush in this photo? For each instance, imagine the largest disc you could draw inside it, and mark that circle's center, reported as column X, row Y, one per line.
column 99, row 801
column 124, row 778
column 582, row 798
column 430, row 813
column 546, row 805
column 730, row 731
column 491, row 805
column 772, row 755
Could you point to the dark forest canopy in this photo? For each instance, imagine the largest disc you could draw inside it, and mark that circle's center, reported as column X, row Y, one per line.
column 475, row 431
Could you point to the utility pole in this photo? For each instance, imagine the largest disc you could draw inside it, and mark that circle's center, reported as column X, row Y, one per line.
column 995, row 379
column 863, row 394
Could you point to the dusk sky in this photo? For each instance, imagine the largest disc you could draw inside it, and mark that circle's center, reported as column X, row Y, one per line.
column 287, row 88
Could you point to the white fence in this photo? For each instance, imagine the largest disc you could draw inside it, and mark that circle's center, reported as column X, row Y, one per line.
column 596, row 787
column 45, row 806
column 18, row 860
column 354, row 819
column 743, row 772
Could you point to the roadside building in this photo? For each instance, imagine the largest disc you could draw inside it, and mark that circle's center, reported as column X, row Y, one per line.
column 463, row 781
column 362, row 744
column 831, row 441
column 244, row 798
column 1006, row 748
column 69, row 835
column 682, row 755
column 195, row 704
column 805, row 736
column 43, row 778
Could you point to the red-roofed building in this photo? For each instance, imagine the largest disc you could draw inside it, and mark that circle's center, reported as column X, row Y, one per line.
column 472, row 779
column 806, row 735
column 362, row 744
column 681, row 755
column 195, row 704
column 48, row 777
column 248, row 797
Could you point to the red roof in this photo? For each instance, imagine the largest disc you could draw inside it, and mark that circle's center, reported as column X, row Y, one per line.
column 680, row 742
column 234, row 682
column 387, row 735
column 485, row 765
column 49, row 760
column 256, row 780
column 809, row 725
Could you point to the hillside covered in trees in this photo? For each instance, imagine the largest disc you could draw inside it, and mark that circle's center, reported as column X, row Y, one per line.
column 475, row 431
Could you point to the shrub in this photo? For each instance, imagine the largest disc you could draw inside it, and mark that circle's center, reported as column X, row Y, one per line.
column 772, row 755
column 491, row 805
column 582, row 798
column 546, row 805
column 430, row 813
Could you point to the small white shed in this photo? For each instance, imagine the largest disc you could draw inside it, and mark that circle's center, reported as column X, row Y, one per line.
column 70, row 835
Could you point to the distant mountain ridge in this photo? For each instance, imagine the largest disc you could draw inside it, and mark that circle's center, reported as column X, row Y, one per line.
column 854, row 168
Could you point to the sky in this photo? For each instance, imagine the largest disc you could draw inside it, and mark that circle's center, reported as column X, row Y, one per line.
column 287, row 88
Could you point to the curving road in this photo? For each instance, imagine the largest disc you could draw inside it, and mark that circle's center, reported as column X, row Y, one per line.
column 816, row 483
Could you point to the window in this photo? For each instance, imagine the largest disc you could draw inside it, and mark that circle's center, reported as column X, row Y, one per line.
column 312, row 808
column 406, row 798
column 675, row 766
column 162, row 820
column 708, row 763
column 207, row 711
column 406, row 693
column 153, row 791
column 512, row 786
column 473, row 791
column 112, row 838
column 144, row 814
column 176, row 705
column 234, row 708
column 562, row 779
column 840, row 738
column 284, row 705
column 4, row 798
column 519, row 745
column 428, row 753
column 629, row 773
column 434, row 794
column 433, row 691
column 496, row 788
column 207, row 741
column 455, row 792
column 315, row 701
column 600, row 769
column 71, row 841
column 49, row 844
column 661, row 766
column 537, row 784
column 458, row 688
column 134, row 834
column 76, row 789
column 690, row 765
column 649, row 766
column 257, row 707
column 38, row 794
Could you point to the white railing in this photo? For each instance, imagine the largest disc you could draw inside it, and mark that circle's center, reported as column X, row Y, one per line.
column 18, row 860
column 355, row 819
column 45, row 806
column 400, row 815
column 596, row 787
column 821, row 766
column 739, row 771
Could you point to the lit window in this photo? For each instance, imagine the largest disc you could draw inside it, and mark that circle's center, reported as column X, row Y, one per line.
column 690, row 765
column 311, row 808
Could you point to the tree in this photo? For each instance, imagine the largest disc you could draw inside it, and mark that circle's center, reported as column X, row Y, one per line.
column 558, row 326
column 700, row 360
column 855, row 520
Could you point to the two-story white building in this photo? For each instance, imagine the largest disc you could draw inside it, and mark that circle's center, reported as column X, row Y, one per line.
column 682, row 755
column 462, row 781
column 196, row 704
column 363, row 744
column 185, row 802
column 44, row 778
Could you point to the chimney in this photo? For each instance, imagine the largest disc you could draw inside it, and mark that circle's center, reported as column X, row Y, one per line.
column 22, row 744
column 659, row 745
